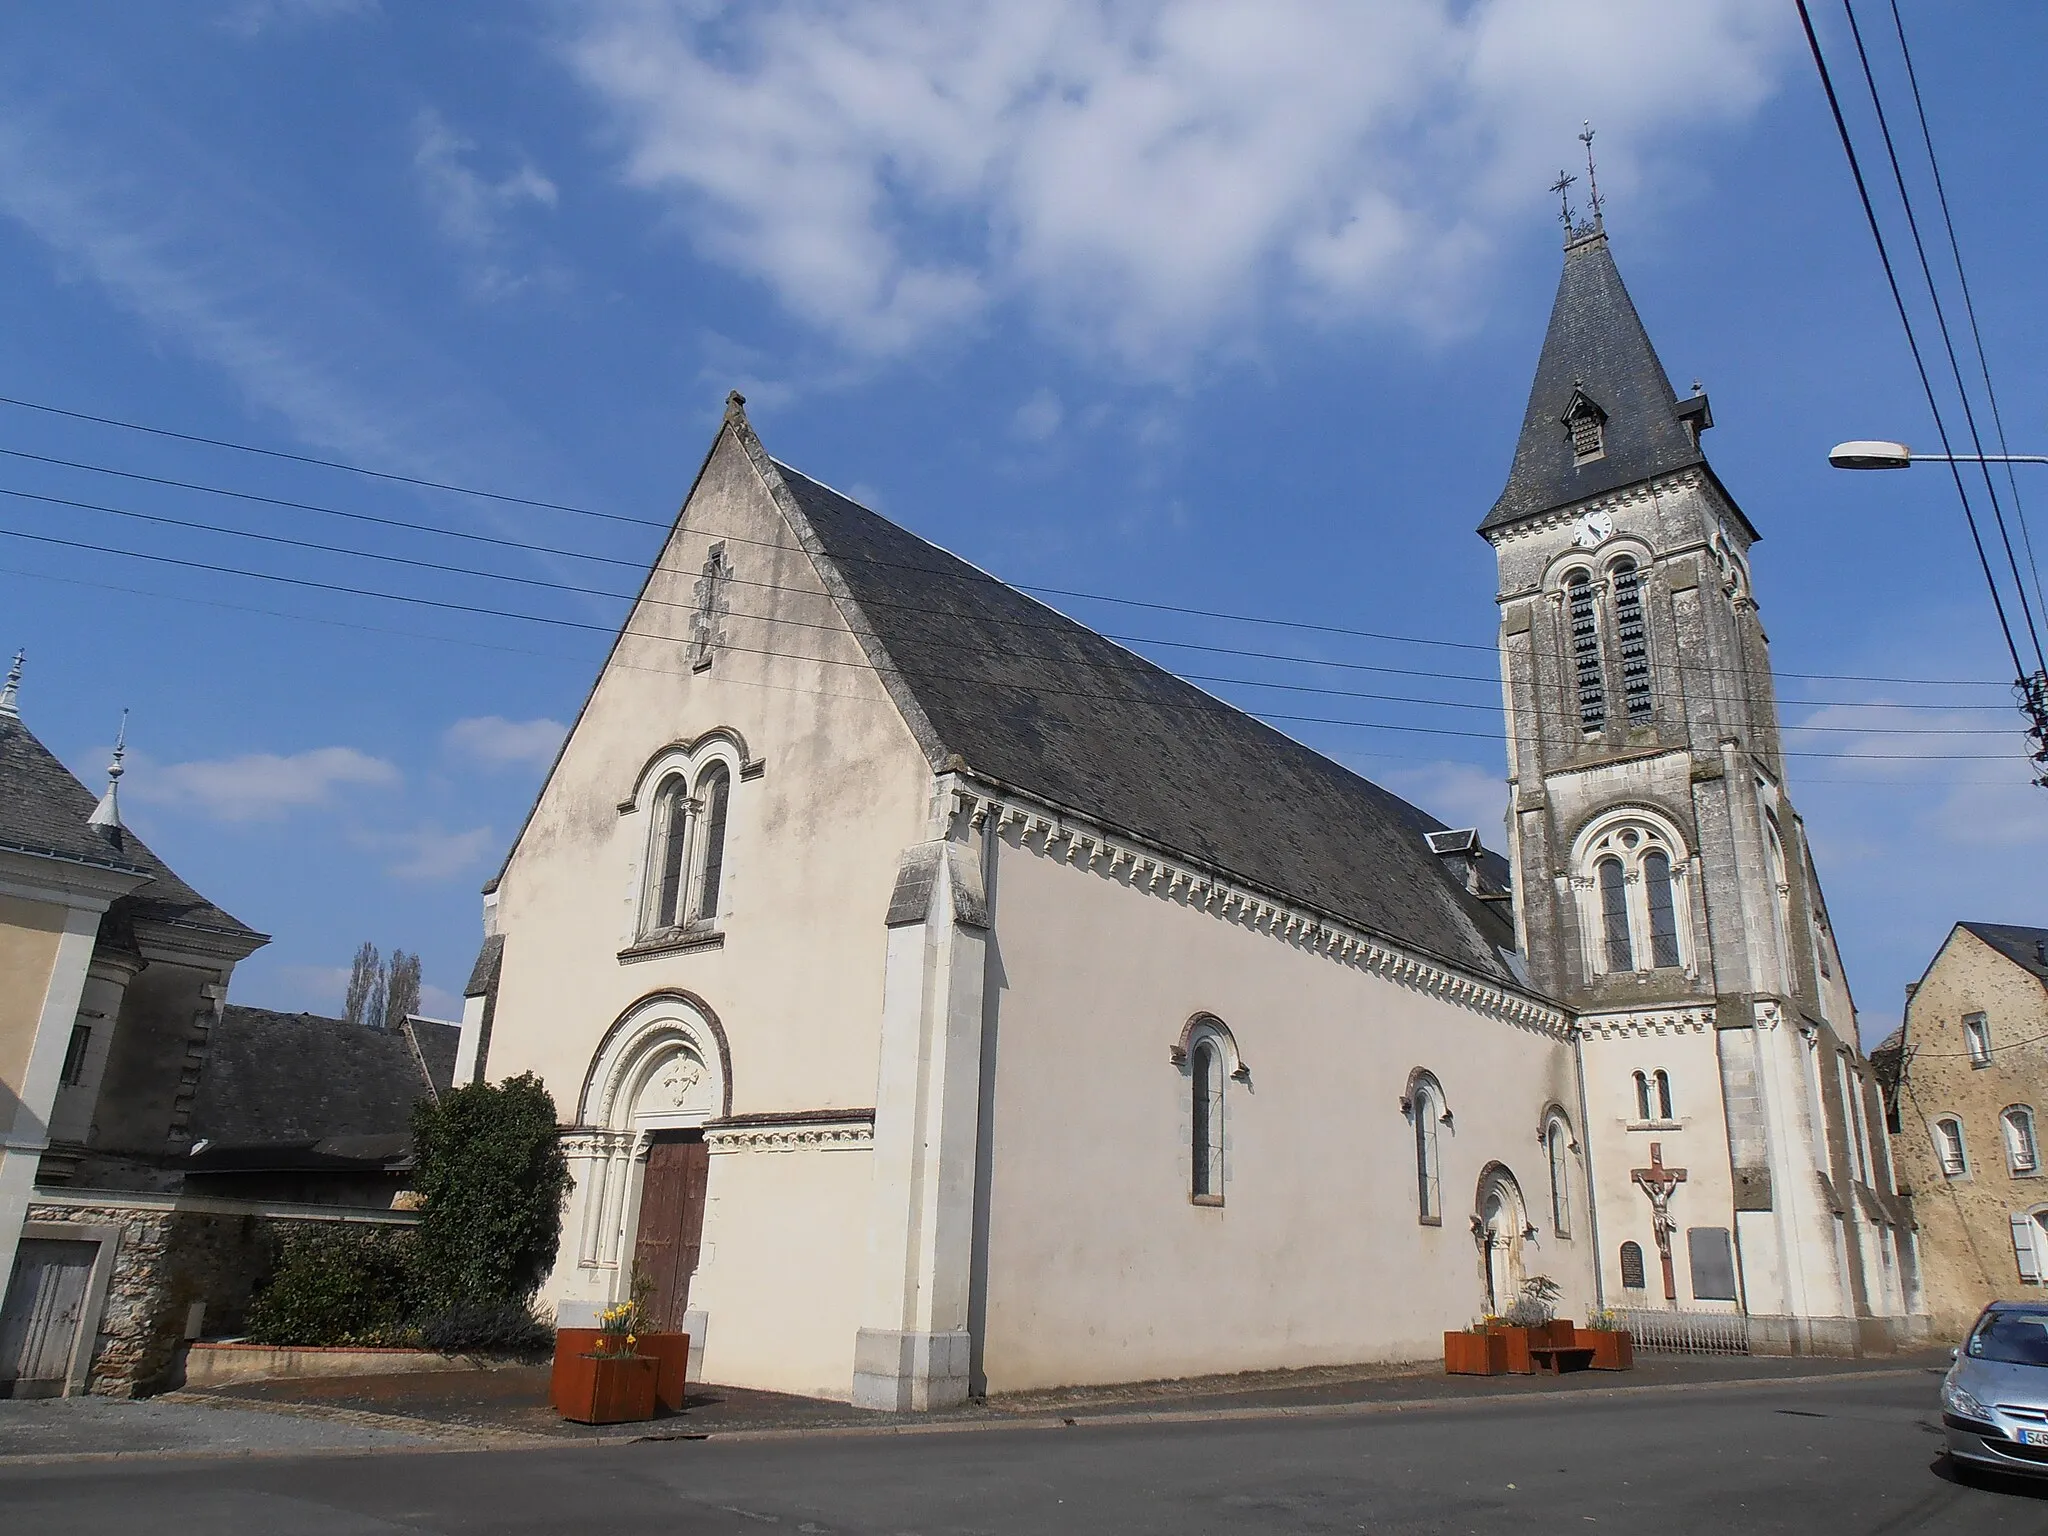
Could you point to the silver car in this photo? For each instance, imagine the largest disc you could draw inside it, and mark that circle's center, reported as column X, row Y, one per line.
column 1994, row 1400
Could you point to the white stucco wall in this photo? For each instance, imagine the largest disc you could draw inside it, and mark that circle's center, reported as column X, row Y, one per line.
column 1100, row 1268
column 811, row 850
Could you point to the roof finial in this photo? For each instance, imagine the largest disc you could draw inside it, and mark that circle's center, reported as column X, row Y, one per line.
column 1562, row 187
column 10, row 695
column 735, row 406
column 1593, row 197
column 107, row 814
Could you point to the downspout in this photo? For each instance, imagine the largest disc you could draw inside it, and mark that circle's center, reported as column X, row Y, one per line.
column 1592, row 1184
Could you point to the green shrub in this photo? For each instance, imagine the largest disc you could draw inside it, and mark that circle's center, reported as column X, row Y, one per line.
column 337, row 1285
column 491, row 1179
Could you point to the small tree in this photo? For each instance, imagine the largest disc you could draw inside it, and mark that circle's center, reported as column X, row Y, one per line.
column 491, row 1178
column 366, row 984
column 402, row 990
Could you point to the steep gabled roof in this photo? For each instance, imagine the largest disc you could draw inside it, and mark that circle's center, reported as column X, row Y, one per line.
column 2025, row 947
column 299, row 1078
column 998, row 685
column 1596, row 346
column 44, row 809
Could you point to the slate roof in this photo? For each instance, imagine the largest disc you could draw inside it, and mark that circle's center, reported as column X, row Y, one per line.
column 2025, row 947
column 44, row 809
column 1596, row 344
column 1021, row 696
column 300, row 1079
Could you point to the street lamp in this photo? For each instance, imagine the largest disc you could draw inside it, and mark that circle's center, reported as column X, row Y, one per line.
column 1867, row 454
column 2032, row 688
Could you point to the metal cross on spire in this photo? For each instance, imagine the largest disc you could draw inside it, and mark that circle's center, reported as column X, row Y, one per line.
column 1593, row 198
column 1562, row 187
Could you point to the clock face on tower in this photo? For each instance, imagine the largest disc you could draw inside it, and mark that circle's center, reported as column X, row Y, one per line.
column 1592, row 529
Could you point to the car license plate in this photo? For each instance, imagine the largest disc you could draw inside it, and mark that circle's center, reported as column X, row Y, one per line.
column 2034, row 1437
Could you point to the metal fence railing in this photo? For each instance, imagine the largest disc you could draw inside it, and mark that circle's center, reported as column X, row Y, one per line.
column 1686, row 1333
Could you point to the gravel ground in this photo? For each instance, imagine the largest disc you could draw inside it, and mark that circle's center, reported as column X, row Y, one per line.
column 66, row 1426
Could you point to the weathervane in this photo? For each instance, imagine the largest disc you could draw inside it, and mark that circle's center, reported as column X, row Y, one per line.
column 1562, row 187
column 1593, row 197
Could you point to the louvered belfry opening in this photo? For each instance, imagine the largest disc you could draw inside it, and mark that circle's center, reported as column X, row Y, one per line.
column 1631, row 633
column 1585, row 623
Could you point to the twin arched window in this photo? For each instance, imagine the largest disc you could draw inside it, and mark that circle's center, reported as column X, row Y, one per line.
column 686, row 867
column 1653, row 1095
column 1638, row 896
column 1631, row 638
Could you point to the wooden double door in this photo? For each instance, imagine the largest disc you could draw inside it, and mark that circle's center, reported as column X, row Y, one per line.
column 671, row 1232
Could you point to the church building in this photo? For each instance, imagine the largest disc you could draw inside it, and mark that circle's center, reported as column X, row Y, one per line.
column 940, row 998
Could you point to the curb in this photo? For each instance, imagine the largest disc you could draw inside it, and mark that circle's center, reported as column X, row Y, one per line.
column 448, row 1439
column 1255, row 1414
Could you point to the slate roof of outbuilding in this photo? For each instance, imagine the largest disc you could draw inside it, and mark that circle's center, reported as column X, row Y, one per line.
column 299, row 1078
column 1019, row 695
column 44, row 809
column 1596, row 343
column 2023, row 946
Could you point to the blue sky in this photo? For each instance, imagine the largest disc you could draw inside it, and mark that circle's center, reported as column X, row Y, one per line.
column 1225, row 306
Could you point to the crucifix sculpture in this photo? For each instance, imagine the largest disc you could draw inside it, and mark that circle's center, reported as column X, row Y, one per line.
column 1658, row 1182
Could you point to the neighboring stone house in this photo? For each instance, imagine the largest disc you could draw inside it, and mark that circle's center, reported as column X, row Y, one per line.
column 113, row 976
column 1966, row 1077
column 940, row 998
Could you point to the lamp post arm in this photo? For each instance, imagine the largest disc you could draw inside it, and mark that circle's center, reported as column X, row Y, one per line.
column 1979, row 458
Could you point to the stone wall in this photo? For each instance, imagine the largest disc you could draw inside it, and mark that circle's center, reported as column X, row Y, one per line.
column 172, row 1254
column 1966, row 1240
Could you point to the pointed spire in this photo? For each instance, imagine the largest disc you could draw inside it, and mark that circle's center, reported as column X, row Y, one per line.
column 10, row 695
column 1597, row 363
column 106, row 816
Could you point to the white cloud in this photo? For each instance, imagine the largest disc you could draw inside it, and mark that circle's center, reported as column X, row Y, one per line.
column 473, row 212
column 1038, row 418
column 251, row 17
column 496, row 742
column 258, row 786
column 427, row 853
column 1145, row 174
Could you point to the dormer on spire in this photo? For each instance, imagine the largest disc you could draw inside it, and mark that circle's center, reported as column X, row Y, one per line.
column 1587, row 424
column 106, row 816
column 10, row 695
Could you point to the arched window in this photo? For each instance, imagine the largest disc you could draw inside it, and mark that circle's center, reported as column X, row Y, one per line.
column 1663, row 914
column 1206, row 1086
column 714, row 790
column 1632, row 1267
column 1663, row 1094
column 1427, row 1106
column 1633, row 880
column 1632, row 636
column 1583, row 616
column 1948, row 1146
column 1642, row 1095
column 1614, row 916
column 2022, row 1155
column 672, row 845
column 1557, row 1147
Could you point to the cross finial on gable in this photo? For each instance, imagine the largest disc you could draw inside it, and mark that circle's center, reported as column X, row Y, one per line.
column 10, row 695
column 1562, row 187
column 735, row 406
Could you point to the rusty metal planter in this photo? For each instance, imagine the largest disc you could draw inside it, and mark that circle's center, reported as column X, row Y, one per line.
column 606, row 1389
column 1613, row 1349
column 1473, row 1354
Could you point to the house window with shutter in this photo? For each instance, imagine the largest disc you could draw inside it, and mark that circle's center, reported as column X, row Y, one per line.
column 1977, row 1039
column 1948, row 1146
column 2022, row 1155
column 2029, row 1244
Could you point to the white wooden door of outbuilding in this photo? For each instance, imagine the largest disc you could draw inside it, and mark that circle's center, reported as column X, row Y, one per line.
column 40, row 1319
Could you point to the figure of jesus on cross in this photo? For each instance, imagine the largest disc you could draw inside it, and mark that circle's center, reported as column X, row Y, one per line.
column 1658, row 1182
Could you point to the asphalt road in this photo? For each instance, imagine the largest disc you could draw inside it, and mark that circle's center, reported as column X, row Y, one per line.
column 1846, row 1455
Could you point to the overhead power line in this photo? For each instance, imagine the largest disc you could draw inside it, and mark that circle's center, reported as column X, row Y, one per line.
column 1054, row 623
column 1122, row 699
column 1179, row 609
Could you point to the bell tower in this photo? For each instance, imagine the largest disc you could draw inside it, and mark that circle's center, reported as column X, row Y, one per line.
column 1663, row 887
